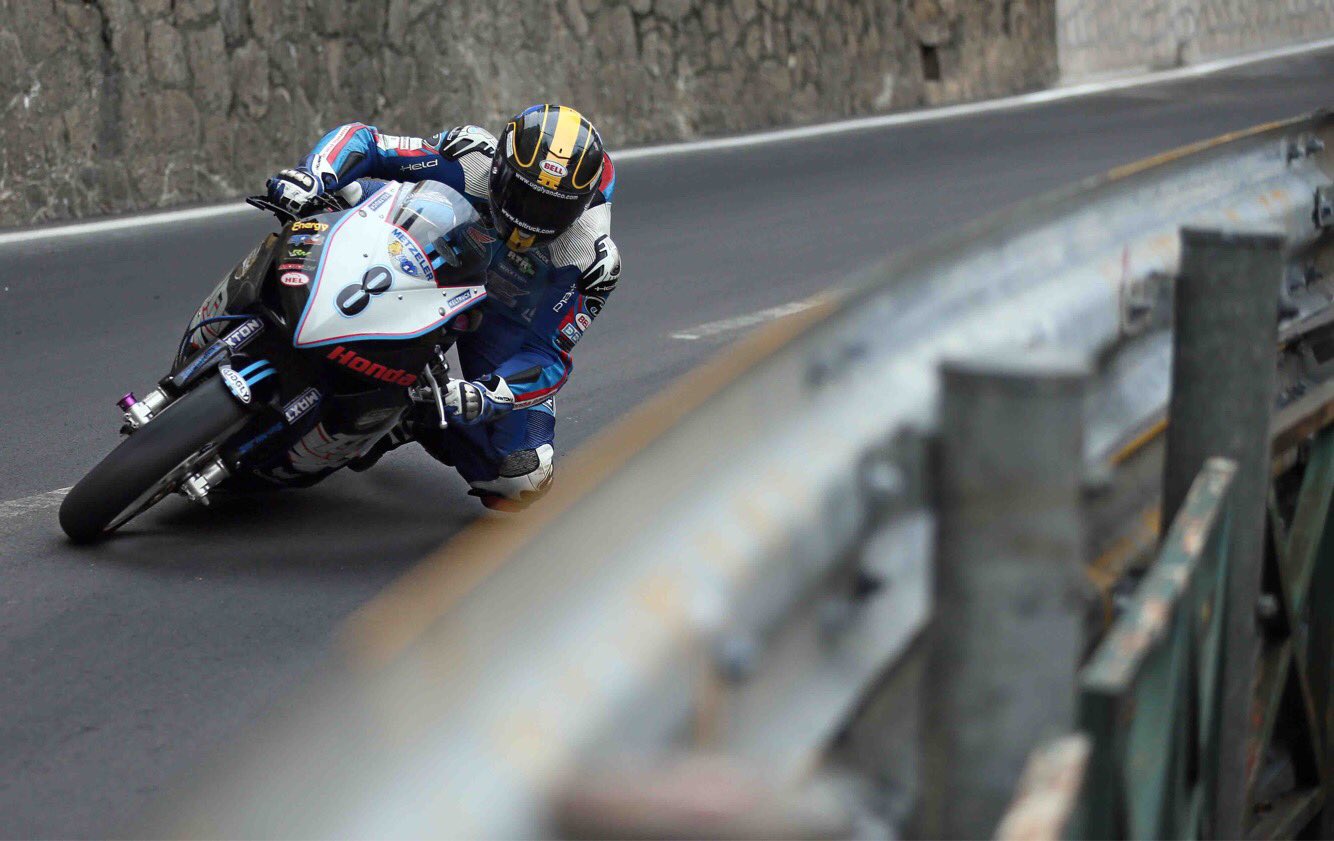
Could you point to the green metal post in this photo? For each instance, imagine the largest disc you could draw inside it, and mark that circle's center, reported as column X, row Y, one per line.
column 1223, row 381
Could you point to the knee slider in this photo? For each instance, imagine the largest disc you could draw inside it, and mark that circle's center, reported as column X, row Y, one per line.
column 524, row 476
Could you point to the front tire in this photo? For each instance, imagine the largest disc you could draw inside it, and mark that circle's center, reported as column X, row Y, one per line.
column 139, row 472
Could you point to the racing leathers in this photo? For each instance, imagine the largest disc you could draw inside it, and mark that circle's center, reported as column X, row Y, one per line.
column 539, row 304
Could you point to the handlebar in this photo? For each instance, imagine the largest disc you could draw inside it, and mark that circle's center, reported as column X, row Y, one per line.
column 321, row 204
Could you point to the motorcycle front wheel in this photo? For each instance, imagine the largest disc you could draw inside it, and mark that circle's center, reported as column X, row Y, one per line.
column 150, row 464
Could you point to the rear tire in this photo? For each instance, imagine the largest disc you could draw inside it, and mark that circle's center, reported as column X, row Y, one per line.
column 203, row 417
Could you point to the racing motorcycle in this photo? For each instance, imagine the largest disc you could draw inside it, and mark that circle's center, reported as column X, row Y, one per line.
column 307, row 355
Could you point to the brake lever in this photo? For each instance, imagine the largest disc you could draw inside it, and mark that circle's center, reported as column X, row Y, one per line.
column 285, row 217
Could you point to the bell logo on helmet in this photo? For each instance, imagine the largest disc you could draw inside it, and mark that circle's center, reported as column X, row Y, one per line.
column 556, row 168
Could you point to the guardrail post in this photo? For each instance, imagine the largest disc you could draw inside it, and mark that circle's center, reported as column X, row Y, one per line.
column 1007, row 632
column 1223, row 381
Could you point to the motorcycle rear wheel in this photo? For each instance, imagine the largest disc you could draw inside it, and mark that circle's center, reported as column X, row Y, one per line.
column 149, row 464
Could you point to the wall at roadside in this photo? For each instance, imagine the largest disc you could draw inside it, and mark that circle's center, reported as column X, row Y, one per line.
column 1097, row 37
column 112, row 105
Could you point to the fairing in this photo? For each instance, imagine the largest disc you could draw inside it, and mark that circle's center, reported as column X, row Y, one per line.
column 372, row 280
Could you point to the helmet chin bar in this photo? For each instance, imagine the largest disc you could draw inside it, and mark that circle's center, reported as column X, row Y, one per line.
column 520, row 241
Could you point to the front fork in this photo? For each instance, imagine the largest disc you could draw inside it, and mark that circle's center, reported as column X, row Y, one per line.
column 137, row 412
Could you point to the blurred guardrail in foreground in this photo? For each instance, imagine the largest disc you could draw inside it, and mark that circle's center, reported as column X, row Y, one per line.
column 845, row 580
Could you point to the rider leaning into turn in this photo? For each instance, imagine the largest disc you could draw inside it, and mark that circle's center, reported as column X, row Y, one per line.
column 547, row 185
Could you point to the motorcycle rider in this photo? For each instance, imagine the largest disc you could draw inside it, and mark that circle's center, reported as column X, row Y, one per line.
column 547, row 186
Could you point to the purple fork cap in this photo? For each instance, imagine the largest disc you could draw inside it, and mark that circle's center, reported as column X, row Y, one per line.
column 126, row 402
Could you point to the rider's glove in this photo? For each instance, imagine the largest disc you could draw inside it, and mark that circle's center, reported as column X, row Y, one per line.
column 294, row 190
column 477, row 402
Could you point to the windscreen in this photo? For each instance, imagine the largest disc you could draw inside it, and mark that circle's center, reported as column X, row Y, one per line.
column 432, row 210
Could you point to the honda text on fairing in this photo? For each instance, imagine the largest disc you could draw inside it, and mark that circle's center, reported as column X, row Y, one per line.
column 352, row 312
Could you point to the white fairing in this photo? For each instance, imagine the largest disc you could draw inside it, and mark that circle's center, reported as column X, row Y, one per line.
column 411, row 306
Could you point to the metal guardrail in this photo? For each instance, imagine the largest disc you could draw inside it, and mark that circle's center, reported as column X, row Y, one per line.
column 741, row 566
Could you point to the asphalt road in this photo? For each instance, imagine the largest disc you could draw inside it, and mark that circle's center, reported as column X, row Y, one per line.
column 125, row 663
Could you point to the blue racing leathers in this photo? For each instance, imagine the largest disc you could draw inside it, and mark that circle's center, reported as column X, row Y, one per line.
column 539, row 302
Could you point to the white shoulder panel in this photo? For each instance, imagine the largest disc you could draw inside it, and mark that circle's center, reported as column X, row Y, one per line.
column 576, row 246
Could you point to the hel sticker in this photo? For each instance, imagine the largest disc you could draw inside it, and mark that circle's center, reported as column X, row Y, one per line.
column 583, row 321
column 300, row 405
column 294, row 279
column 235, row 383
column 555, row 168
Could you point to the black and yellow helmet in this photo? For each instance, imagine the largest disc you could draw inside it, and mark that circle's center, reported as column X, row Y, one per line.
column 544, row 174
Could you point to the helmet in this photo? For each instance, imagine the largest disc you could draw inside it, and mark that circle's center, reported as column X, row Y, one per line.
column 543, row 174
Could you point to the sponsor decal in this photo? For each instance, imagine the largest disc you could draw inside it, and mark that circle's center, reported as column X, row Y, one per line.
column 376, row 417
column 458, row 299
column 522, row 263
column 565, row 299
column 480, row 236
column 571, row 333
column 501, row 289
column 351, row 360
column 298, row 252
column 421, row 165
column 405, row 266
column 310, row 225
column 378, row 201
column 395, row 248
column 411, row 250
column 306, row 239
column 582, row 320
column 390, row 142
column 259, row 439
column 241, row 336
column 555, row 168
column 290, row 267
column 294, row 279
column 235, row 383
column 247, row 262
column 301, row 404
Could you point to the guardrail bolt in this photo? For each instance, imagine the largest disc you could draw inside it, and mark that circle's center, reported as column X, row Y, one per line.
column 738, row 657
column 1324, row 207
column 1304, row 146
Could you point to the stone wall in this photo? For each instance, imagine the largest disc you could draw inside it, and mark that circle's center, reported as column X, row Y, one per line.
column 1106, row 36
column 114, row 105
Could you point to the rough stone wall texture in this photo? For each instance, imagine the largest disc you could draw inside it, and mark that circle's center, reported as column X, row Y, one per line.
column 112, row 105
column 1104, row 36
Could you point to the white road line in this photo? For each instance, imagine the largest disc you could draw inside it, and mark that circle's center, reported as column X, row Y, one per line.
column 29, row 504
column 741, row 322
column 1057, row 94
column 146, row 220
column 968, row 109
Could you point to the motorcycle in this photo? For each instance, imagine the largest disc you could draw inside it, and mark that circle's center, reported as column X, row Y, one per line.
column 310, row 352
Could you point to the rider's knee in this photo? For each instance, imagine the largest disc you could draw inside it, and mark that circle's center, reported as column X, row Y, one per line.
column 524, row 476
